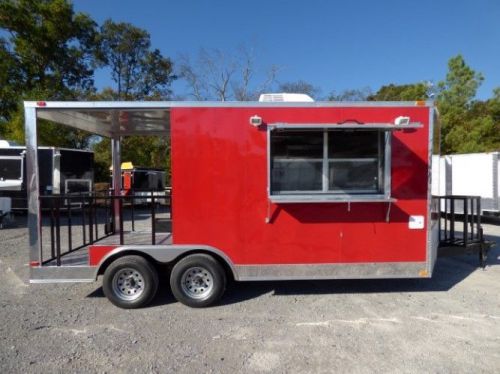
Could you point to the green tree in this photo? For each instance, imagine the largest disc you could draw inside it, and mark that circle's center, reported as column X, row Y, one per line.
column 459, row 88
column 49, row 54
column 140, row 150
column 138, row 71
column 9, row 76
column 355, row 94
column 403, row 92
column 52, row 45
column 467, row 125
column 494, row 105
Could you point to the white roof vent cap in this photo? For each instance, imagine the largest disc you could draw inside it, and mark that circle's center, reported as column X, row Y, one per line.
column 285, row 98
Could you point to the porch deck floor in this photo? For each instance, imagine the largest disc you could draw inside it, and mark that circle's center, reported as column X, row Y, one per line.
column 80, row 257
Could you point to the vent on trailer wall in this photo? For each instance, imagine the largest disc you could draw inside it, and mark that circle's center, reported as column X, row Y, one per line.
column 285, row 98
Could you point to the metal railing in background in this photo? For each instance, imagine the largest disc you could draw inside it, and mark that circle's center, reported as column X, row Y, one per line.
column 464, row 211
column 460, row 230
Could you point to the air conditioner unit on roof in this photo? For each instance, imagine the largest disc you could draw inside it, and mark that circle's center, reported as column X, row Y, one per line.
column 285, row 98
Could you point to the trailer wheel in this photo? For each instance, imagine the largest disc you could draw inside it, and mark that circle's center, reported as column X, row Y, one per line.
column 130, row 282
column 198, row 280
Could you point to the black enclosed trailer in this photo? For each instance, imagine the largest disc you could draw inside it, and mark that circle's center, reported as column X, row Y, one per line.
column 61, row 171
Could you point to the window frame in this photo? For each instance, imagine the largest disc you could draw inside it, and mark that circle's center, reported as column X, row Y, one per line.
column 326, row 195
column 21, row 161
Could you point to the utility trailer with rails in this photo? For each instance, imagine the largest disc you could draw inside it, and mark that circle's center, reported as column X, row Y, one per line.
column 260, row 191
column 475, row 174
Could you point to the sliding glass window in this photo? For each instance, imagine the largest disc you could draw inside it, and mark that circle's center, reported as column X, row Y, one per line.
column 297, row 161
column 327, row 161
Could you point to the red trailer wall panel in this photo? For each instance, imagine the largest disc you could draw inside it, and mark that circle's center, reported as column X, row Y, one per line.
column 219, row 179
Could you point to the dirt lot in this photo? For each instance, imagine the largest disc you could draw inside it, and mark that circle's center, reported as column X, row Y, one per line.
column 450, row 323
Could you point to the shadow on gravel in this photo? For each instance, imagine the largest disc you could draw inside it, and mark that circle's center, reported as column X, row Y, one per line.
column 163, row 296
column 448, row 272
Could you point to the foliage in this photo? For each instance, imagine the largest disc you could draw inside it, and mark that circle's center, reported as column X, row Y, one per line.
column 355, row 94
column 467, row 125
column 403, row 92
column 9, row 77
column 49, row 54
column 140, row 150
column 49, row 133
column 52, row 46
column 138, row 71
column 460, row 86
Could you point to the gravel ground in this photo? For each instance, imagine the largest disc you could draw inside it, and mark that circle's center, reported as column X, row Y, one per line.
column 448, row 324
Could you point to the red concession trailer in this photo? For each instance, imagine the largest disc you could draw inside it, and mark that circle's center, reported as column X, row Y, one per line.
column 261, row 191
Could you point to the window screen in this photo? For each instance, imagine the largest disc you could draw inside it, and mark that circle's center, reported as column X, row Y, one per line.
column 10, row 168
column 327, row 161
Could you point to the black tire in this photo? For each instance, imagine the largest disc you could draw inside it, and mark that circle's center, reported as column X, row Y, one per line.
column 198, row 280
column 130, row 282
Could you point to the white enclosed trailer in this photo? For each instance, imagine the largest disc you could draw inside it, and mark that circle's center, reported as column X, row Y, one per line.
column 472, row 174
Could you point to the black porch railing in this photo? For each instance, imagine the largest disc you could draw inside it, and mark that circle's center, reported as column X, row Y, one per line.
column 464, row 212
column 74, row 221
column 460, row 230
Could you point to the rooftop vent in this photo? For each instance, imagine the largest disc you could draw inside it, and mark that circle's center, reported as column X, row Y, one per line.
column 285, row 98
column 7, row 143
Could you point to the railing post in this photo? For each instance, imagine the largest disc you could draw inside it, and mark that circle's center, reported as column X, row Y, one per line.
column 153, row 225
column 472, row 218
column 452, row 219
column 91, row 225
column 70, row 244
column 58, row 233
column 466, row 220
column 446, row 218
column 52, row 234
column 439, row 218
column 83, row 221
column 479, row 229
column 120, row 207
column 96, row 216
column 111, row 211
column 133, row 210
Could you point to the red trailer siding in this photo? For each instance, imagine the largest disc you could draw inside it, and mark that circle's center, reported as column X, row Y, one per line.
column 219, row 179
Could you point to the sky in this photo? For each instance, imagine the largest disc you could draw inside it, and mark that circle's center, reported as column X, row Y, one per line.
column 334, row 45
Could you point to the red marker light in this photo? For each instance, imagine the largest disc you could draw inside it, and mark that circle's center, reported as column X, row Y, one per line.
column 41, row 103
column 34, row 263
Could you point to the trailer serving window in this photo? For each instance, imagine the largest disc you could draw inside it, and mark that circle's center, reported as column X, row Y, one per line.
column 329, row 164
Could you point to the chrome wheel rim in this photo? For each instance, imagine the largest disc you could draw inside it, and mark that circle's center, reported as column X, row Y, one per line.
column 197, row 282
column 128, row 284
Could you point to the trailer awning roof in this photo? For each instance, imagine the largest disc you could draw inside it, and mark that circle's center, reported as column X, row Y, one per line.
column 111, row 122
